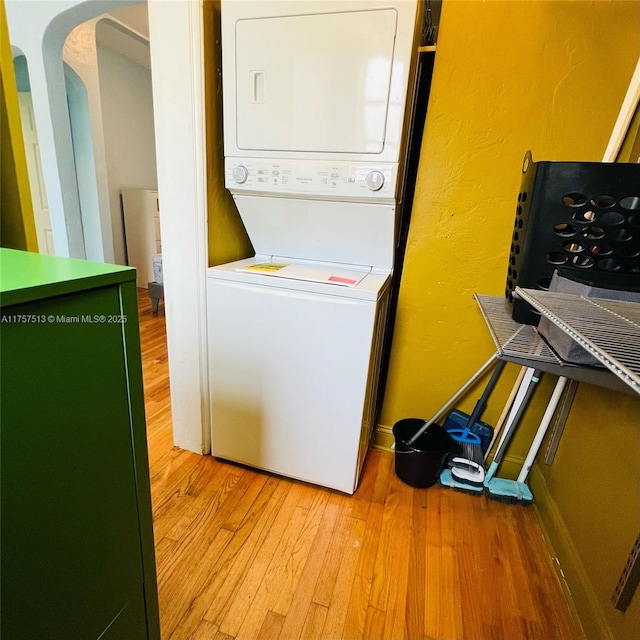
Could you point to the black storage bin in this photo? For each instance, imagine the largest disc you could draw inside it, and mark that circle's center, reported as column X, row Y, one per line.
column 582, row 217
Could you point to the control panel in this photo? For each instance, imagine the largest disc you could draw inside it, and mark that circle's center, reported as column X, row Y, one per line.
column 317, row 179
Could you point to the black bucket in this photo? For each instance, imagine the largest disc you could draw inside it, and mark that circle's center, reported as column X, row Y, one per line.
column 419, row 464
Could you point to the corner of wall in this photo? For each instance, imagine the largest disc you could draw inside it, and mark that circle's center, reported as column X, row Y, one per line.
column 581, row 597
column 17, row 221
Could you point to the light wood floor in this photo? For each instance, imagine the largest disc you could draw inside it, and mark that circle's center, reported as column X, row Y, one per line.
column 243, row 554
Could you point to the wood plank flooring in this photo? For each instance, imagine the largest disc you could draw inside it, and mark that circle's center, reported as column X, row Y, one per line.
column 243, row 554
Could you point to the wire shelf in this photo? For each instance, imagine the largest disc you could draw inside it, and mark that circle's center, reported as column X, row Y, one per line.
column 608, row 329
column 512, row 339
column 522, row 344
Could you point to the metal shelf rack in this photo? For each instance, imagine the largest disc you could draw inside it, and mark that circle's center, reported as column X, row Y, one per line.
column 608, row 329
column 522, row 344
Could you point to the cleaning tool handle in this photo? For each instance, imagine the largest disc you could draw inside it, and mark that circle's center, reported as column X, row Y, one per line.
column 542, row 429
column 505, row 411
column 522, row 384
column 463, row 389
column 481, row 405
column 532, row 377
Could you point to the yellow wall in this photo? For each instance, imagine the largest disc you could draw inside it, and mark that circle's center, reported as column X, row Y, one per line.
column 228, row 240
column 17, row 228
column 589, row 502
column 509, row 76
column 548, row 76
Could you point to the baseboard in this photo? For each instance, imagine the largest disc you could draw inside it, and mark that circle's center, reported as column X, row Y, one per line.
column 582, row 599
column 382, row 437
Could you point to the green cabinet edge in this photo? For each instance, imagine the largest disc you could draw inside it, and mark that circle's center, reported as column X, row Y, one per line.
column 27, row 277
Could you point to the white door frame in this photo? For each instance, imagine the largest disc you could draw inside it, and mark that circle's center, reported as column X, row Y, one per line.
column 177, row 66
column 44, row 232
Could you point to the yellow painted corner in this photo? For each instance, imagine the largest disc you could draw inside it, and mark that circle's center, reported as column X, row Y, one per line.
column 18, row 229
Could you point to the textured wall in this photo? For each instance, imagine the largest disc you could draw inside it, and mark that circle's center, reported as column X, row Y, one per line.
column 509, row 76
column 548, row 76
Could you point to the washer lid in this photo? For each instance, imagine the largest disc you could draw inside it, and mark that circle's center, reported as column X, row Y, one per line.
column 305, row 276
column 309, row 272
column 319, row 230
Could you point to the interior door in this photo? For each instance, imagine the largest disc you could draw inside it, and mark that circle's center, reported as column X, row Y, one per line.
column 36, row 181
column 315, row 83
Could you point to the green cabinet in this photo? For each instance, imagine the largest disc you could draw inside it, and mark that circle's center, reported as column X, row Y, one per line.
column 77, row 557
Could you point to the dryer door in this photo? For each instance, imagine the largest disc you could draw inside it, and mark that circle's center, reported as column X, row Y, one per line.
column 314, row 83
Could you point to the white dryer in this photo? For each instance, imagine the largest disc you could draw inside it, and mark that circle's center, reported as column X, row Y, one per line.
column 315, row 94
column 317, row 79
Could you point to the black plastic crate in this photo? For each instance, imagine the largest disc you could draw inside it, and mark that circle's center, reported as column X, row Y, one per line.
column 581, row 217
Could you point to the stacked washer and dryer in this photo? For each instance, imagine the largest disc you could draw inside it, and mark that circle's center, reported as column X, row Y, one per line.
column 315, row 97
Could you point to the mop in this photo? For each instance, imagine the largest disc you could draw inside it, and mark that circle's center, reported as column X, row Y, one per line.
column 542, row 430
column 455, row 397
column 502, row 489
column 447, row 480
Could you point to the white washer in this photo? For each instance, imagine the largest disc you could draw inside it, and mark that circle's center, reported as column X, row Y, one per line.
column 295, row 343
column 294, row 366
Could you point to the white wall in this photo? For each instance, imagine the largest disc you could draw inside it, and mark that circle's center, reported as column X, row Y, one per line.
column 85, row 167
column 129, row 137
column 39, row 28
column 83, row 197
column 80, row 53
column 175, row 29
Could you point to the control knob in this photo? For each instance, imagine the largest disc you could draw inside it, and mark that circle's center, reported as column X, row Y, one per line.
column 374, row 180
column 240, row 174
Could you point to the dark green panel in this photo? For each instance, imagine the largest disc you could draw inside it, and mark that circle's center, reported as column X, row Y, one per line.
column 133, row 362
column 130, row 623
column 71, row 557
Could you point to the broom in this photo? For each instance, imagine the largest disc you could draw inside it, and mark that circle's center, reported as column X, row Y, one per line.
column 502, row 489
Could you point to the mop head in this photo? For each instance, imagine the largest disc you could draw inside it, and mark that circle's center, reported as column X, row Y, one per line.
column 508, row 491
column 447, row 480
